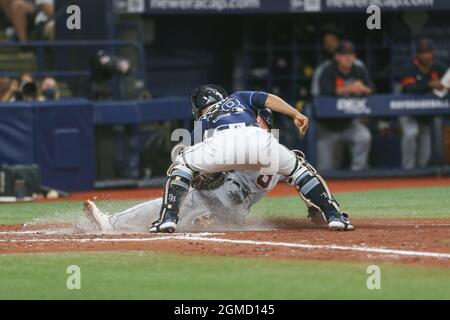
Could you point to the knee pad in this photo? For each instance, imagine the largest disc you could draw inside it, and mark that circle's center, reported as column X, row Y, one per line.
column 178, row 158
column 180, row 175
column 304, row 173
column 311, row 186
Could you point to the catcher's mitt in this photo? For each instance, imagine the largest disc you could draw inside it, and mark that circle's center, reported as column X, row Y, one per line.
column 208, row 181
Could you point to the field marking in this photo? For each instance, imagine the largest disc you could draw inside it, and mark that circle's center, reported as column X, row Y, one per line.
column 36, row 232
column 17, row 232
column 412, row 225
column 329, row 247
column 60, row 232
column 205, row 238
column 43, row 232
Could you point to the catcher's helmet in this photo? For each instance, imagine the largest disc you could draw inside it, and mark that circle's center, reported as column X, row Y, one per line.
column 204, row 96
column 267, row 115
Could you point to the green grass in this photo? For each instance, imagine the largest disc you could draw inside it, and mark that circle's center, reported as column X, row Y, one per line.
column 149, row 275
column 432, row 202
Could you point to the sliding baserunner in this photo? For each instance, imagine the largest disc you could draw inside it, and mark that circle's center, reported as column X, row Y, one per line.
column 224, row 199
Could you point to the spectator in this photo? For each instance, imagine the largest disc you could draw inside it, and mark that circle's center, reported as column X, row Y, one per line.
column 330, row 45
column 45, row 24
column 25, row 89
column 422, row 78
column 344, row 77
column 49, row 90
column 16, row 11
column 4, row 87
column 29, row 91
column 13, row 91
column 26, row 77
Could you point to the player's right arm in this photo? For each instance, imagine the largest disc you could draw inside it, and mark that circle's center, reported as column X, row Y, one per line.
column 260, row 100
column 277, row 104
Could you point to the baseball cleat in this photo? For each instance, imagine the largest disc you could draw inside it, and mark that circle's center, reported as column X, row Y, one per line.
column 98, row 218
column 340, row 223
column 167, row 225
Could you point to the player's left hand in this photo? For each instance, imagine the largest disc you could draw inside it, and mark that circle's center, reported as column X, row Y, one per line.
column 301, row 122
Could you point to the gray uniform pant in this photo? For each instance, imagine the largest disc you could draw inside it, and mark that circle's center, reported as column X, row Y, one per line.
column 140, row 217
column 330, row 146
column 227, row 204
column 415, row 143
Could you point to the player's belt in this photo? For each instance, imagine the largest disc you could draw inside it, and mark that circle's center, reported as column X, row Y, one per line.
column 235, row 126
column 209, row 133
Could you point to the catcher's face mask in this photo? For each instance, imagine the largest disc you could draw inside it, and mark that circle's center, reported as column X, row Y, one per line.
column 266, row 115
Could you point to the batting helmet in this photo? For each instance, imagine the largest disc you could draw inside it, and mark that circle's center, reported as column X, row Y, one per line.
column 267, row 115
column 204, row 96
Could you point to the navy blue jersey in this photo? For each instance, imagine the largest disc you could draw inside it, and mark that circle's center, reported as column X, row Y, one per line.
column 240, row 107
column 416, row 82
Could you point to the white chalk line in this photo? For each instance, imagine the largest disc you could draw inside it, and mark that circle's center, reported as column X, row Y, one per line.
column 329, row 247
column 413, row 225
column 18, row 233
column 203, row 238
column 60, row 232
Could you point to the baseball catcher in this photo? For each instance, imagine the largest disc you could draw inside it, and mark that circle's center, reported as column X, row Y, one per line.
column 232, row 140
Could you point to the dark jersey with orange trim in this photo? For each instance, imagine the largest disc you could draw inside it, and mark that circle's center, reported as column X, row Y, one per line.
column 332, row 78
column 416, row 82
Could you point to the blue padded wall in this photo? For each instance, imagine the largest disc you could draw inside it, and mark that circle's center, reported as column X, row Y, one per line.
column 65, row 147
column 16, row 133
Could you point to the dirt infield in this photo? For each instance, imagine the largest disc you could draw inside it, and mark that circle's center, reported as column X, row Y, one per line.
column 404, row 241
column 408, row 241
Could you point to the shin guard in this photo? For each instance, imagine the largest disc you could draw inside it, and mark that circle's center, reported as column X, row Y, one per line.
column 312, row 188
column 176, row 189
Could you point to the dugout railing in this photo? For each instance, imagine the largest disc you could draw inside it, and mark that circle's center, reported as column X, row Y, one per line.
column 387, row 107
